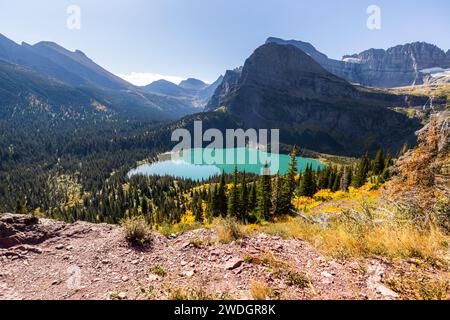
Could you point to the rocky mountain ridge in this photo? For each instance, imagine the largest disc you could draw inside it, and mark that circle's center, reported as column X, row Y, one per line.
column 282, row 87
column 402, row 65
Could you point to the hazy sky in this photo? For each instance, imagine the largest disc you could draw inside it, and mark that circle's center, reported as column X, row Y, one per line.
column 203, row 38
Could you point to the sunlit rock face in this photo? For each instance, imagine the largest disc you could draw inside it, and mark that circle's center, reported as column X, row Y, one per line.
column 396, row 67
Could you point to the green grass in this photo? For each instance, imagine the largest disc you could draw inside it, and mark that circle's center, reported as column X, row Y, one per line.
column 158, row 270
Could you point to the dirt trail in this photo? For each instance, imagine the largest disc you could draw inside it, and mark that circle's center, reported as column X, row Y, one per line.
column 53, row 260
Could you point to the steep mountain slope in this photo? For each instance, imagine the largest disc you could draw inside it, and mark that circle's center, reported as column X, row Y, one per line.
column 206, row 93
column 402, row 65
column 24, row 91
column 79, row 64
column 282, row 87
column 75, row 71
column 50, row 59
column 21, row 55
column 229, row 81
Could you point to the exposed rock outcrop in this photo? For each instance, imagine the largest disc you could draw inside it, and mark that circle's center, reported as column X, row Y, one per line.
column 24, row 230
column 228, row 84
column 282, row 87
column 402, row 65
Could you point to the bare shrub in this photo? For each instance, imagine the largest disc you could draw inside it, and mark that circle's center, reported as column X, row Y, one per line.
column 136, row 230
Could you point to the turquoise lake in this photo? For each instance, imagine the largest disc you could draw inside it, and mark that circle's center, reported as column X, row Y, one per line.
column 201, row 164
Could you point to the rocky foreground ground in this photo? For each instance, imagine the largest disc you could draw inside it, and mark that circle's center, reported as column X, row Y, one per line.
column 45, row 259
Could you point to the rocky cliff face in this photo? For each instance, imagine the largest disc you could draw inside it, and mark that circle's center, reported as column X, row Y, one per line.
column 282, row 87
column 398, row 66
column 402, row 65
column 229, row 82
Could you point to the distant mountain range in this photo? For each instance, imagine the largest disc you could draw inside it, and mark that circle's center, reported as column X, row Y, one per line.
column 195, row 91
column 31, row 70
column 403, row 65
column 50, row 59
column 314, row 100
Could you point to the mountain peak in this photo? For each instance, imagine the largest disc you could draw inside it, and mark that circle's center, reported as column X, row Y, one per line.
column 162, row 81
column 281, row 86
column 193, row 84
column 306, row 47
column 374, row 67
column 284, row 67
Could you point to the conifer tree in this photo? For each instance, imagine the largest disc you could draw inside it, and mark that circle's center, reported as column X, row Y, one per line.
column 378, row 163
column 233, row 204
column 332, row 177
column 344, row 182
column 244, row 197
column 323, row 177
column 307, row 187
column 144, row 206
column 385, row 175
column 222, row 203
column 264, row 194
column 20, row 208
column 403, row 150
column 349, row 177
column 252, row 202
column 214, row 202
column 337, row 181
column 288, row 185
column 360, row 176
column 276, row 196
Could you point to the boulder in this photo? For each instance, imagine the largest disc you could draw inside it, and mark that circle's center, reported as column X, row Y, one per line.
column 233, row 263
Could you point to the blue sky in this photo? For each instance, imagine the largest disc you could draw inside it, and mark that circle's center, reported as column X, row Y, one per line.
column 203, row 38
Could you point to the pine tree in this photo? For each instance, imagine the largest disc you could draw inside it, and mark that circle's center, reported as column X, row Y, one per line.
column 276, row 196
column 20, row 208
column 360, row 176
column 136, row 199
column 214, row 205
column 323, row 177
column 332, row 177
column 222, row 203
column 378, row 163
column 233, row 202
column 252, row 202
column 349, row 177
column 403, row 150
column 344, row 183
column 144, row 206
column 337, row 181
column 264, row 194
column 385, row 175
column 244, row 206
column 307, row 187
column 288, row 185
column 198, row 207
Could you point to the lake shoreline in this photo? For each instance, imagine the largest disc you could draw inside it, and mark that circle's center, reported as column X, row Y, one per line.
column 186, row 165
